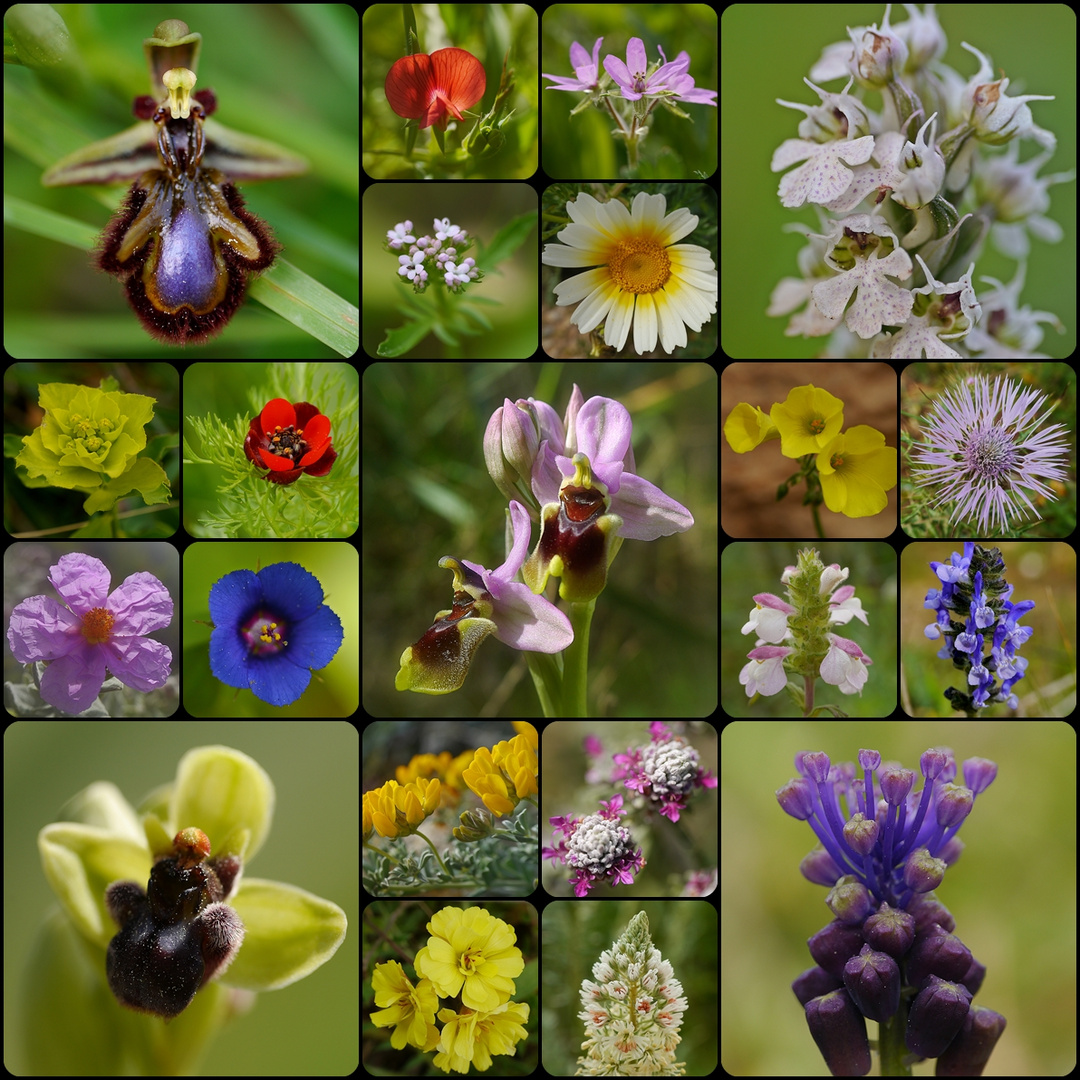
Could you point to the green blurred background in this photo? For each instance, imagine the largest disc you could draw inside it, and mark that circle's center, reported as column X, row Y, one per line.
column 1012, row 893
column 427, row 493
column 769, row 48
column 307, row 1029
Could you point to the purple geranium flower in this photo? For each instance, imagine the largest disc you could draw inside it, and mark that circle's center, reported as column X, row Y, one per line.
column 485, row 602
column 585, row 67
column 986, row 446
column 597, row 847
column 270, row 629
column 633, row 78
column 97, row 630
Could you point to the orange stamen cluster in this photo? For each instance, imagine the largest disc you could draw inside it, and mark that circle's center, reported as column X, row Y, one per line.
column 97, row 626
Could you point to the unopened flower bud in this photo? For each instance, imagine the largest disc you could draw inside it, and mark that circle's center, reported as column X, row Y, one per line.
column 873, row 981
column 970, row 1050
column 938, row 953
column 890, row 931
column 849, row 901
column 937, row 1014
column 922, row 872
column 839, row 1030
column 861, row 834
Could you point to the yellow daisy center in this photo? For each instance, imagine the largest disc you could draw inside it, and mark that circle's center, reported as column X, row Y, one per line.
column 639, row 265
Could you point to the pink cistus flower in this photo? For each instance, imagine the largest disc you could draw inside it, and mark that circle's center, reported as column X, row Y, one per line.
column 97, row 630
column 597, row 847
column 666, row 771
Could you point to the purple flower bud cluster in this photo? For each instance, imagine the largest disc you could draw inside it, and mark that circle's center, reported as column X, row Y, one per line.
column 890, row 953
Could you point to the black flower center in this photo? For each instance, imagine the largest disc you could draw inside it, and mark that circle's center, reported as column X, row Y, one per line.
column 287, row 443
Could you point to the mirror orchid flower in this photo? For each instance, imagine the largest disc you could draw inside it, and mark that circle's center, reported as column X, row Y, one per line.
column 485, row 602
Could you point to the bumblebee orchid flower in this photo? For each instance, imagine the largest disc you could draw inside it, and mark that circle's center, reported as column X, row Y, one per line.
column 485, row 602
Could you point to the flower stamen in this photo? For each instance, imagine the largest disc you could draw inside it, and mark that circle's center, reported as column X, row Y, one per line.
column 97, row 626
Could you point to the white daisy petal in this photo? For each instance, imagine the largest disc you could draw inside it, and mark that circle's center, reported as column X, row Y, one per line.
column 642, row 280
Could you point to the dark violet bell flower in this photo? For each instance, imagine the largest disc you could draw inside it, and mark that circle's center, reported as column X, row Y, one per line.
column 970, row 1050
column 883, row 848
column 873, row 981
column 937, row 1014
column 271, row 629
column 839, row 1030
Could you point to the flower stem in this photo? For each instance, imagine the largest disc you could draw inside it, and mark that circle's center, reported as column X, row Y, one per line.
column 547, row 678
column 891, row 1044
column 808, row 699
column 432, row 846
column 576, row 661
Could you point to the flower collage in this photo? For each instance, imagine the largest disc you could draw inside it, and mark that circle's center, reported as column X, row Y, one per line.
column 181, row 543
column 540, row 182
column 540, row 895
column 871, row 509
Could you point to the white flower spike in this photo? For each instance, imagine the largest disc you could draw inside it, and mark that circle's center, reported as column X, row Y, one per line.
column 908, row 199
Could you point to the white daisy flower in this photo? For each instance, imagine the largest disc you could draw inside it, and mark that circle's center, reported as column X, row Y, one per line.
column 642, row 276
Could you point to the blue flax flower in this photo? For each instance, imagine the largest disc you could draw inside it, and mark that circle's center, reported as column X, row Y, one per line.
column 890, row 953
column 270, row 629
column 979, row 623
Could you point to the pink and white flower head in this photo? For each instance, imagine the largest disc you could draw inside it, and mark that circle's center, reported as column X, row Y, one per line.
column 665, row 772
column 598, row 847
column 95, row 632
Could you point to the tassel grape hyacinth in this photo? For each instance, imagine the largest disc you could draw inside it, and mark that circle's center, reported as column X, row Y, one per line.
column 983, row 644
column 907, row 198
column 890, row 953
column 633, row 1011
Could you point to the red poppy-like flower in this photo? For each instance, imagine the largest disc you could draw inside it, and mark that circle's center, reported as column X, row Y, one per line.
column 290, row 440
column 434, row 88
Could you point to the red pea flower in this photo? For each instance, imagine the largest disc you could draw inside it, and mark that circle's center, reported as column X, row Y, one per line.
column 434, row 88
column 290, row 440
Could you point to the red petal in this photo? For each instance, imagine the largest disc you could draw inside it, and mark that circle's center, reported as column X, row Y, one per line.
column 409, row 85
column 459, row 75
column 277, row 413
column 278, row 464
column 317, row 430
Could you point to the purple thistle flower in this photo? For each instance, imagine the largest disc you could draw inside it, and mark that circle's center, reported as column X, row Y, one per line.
column 597, row 847
column 974, row 614
column 986, row 448
column 884, row 848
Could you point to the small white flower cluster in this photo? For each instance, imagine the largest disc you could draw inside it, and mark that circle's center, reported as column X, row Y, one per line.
column 897, row 185
column 633, row 1011
column 671, row 767
column 433, row 253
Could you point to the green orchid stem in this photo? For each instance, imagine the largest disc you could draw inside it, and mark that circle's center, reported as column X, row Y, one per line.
column 432, row 846
column 891, row 1044
column 547, row 678
column 808, row 707
column 576, row 662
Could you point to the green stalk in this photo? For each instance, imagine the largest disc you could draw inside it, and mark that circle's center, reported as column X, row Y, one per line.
column 547, row 678
column 891, row 1044
column 576, row 661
